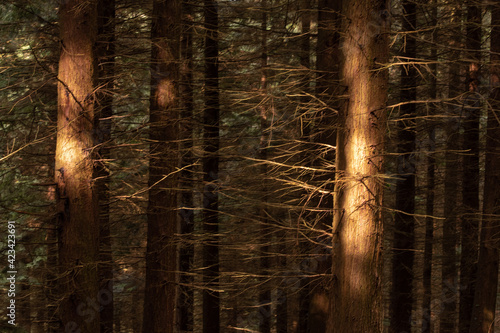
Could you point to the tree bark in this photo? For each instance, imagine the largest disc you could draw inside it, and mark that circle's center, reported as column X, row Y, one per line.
column 161, row 255
column 404, row 227
column 186, row 255
column 211, row 300
column 325, row 135
column 76, row 191
column 483, row 315
column 431, row 183
column 449, row 282
column 357, row 246
column 470, row 176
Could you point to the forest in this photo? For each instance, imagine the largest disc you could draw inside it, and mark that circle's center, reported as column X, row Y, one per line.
column 270, row 166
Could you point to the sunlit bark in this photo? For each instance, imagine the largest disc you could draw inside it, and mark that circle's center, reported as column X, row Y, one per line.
column 77, row 194
column 357, row 227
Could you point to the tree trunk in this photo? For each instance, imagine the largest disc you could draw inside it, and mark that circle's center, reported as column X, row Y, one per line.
column 325, row 135
column 161, row 255
column 470, row 176
column 483, row 315
column 77, row 195
column 211, row 300
column 404, row 227
column 186, row 255
column 431, row 183
column 449, row 282
column 102, row 123
column 357, row 258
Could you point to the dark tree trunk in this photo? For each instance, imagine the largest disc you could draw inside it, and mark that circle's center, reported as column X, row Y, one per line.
column 357, row 258
column 211, row 300
column 483, row 315
column 324, row 135
column 161, row 255
column 431, row 182
column 449, row 283
column 186, row 256
column 404, row 226
column 76, row 194
column 470, row 176
column 52, row 239
column 102, row 123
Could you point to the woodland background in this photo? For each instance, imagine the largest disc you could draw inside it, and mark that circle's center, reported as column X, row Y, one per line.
column 204, row 186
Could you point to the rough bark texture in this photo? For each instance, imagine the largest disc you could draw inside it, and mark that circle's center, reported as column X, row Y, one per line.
column 483, row 316
column 404, row 226
column 161, row 255
column 357, row 227
column 105, row 56
column 470, row 176
column 76, row 191
column 211, row 300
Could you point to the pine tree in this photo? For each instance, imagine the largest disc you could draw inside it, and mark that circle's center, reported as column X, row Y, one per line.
column 161, row 253
column 76, row 193
column 357, row 258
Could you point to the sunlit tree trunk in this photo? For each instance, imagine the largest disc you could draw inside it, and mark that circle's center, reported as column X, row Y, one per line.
column 357, row 227
column 161, row 255
column 76, row 190
column 104, row 112
column 211, row 299
column 483, row 315
column 404, row 226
